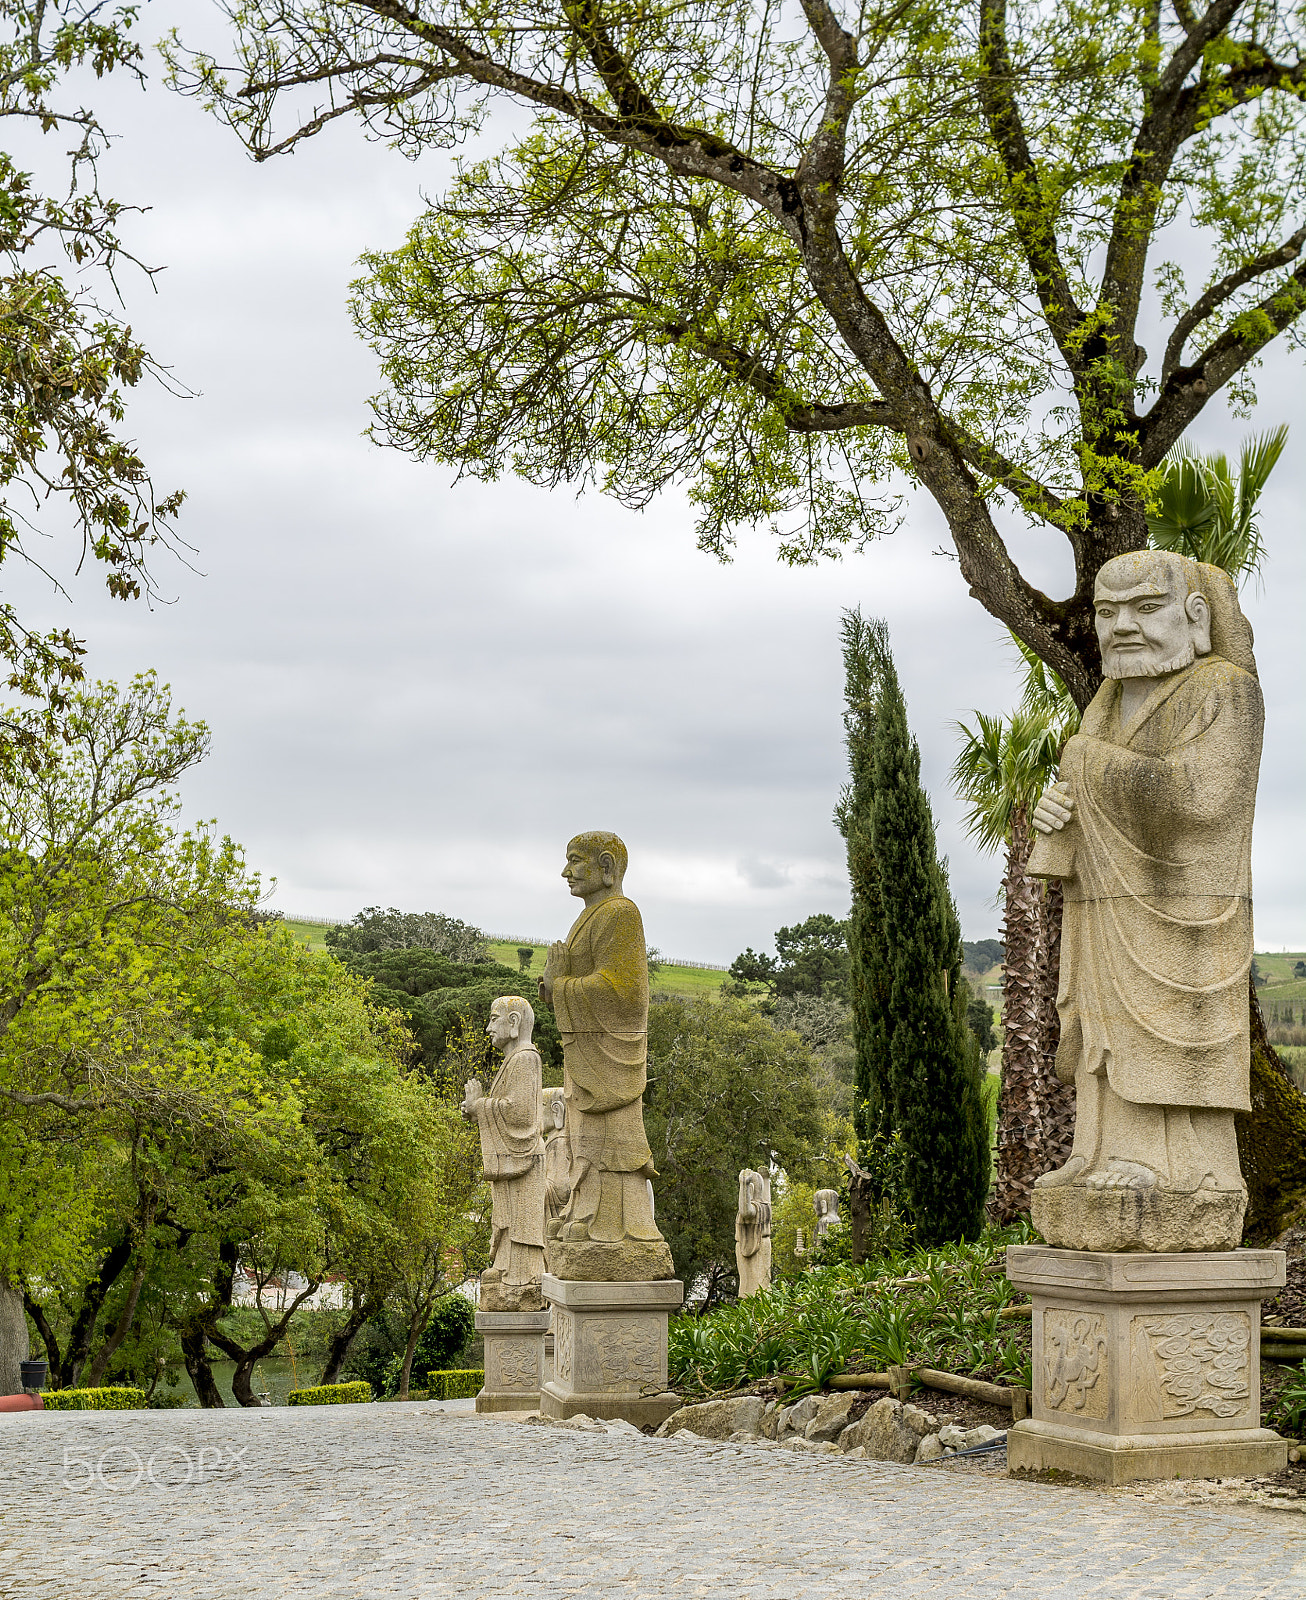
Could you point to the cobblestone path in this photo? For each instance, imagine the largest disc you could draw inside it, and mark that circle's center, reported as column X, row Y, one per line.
column 381, row 1501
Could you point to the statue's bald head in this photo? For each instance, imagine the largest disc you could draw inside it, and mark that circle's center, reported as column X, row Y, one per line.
column 596, row 845
column 1152, row 616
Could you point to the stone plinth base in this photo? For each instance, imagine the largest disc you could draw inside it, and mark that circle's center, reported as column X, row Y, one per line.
column 610, row 1349
column 616, row 1261
column 514, row 1359
column 1129, row 1220
column 1146, row 1365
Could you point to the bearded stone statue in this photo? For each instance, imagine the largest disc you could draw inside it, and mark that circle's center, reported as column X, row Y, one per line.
column 1149, row 830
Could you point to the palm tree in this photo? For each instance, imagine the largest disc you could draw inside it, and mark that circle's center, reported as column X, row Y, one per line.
column 1002, row 768
column 1204, row 512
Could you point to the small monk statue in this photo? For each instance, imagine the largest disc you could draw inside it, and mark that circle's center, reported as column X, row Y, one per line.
column 557, row 1160
column 512, row 1152
column 826, row 1204
column 1149, row 829
column 753, row 1232
column 597, row 983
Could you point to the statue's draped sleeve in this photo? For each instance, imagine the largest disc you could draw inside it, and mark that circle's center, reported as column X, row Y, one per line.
column 512, row 1147
column 1155, row 868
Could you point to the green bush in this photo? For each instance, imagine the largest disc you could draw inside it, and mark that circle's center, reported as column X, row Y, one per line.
column 94, row 1400
column 331, row 1394
column 461, row 1384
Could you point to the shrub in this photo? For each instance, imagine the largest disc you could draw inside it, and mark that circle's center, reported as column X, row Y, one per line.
column 461, row 1384
column 94, row 1400
column 331, row 1394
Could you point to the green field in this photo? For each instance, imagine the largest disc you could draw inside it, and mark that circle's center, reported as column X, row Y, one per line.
column 687, row 981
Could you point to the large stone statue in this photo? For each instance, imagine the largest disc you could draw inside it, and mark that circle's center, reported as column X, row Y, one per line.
column 753, row 1232
column 1149, row 829
column 512, row 1151
column 597, row 982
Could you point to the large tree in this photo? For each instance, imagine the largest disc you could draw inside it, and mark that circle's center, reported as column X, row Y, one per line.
column 789, row 257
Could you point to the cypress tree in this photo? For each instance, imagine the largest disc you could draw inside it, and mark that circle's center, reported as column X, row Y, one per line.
column 933, row 1061
column 865, row 647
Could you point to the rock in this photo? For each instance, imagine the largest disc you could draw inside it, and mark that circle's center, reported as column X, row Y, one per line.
column 809, row 1447
column 794, row 1418
column 981, row 1435
column 832, row 1416
column 859, row 1454
column 890, row 1431
column 929, row 1449
column 767, row 1425
column 716, row 1419
column 951, row 1437
column 620, row 1426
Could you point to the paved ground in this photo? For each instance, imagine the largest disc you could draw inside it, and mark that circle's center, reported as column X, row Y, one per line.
column 381, row 1501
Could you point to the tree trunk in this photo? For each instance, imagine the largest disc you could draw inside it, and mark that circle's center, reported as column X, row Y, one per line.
column 1056, row 1099
column 861, row 1204
column 415, row 1326
column 344, row 1336
column 111, row 1343
column 199, row 1367
column 1020, row 1144
column 13, row 1338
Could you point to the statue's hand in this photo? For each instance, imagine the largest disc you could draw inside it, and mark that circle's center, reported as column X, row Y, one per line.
column 554, row 963
column 1055, row 809
column 473, row 1094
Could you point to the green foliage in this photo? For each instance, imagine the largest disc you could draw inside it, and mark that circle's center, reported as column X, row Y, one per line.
column 331, row 1394
column 434, row 994
column 447, row 1334
column 65, row 360
column 865, row 650
column 936, row 1307
column 458, row 1384
column 726, row 1090
column 109, row 1399
column 1203, row 512
column 372, row 930
column 982, row 954
column 811, row 959
column 791, row 262
column 934, row 1067
column 1288, row 1413
column 979, row 1019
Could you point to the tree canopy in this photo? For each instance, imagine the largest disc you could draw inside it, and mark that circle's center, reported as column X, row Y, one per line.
column 794, row 258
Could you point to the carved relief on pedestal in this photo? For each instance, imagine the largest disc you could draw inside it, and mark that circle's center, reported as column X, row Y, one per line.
column 518, row 1365
column 563, row 1342
column 1074, row 1362
column 1197, row 1361
column 628, row 1352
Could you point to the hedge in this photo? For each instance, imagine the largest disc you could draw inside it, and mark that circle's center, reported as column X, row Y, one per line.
column 463, row 1383
column 94, row 1400
column 331, row 1394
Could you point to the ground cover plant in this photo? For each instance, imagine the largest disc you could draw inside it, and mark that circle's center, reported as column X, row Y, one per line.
column 952, row 1308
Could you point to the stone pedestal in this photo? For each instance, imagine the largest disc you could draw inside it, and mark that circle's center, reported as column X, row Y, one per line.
column 610, row 1349
column 1146, row 1366
column 514, row 1359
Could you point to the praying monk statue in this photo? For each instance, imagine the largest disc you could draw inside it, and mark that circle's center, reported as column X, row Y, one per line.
column 1149, row 829
column 753, row 1232
column 512, row 1153
column 597, row 982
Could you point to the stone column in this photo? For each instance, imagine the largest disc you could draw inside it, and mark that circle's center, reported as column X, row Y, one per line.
column 514, row 1359
column 1146, row 1365
column 610, row 1349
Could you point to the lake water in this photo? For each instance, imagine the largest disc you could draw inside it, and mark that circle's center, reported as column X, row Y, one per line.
column 275, row 1376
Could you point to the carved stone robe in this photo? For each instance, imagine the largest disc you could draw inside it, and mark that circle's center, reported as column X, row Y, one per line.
column 1155, row 868
column 512, row 1152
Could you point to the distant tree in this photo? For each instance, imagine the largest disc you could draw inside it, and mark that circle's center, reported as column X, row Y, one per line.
column 981, row 954
column 726, row 1090
column 525, row 955
column 1258, row 977
column 979, row 1019
column 750, row 970
column 811, row 959
column 1299, row 969
column 934, row 1066
column 373, row 929
column 653, row 959
column 865, row 650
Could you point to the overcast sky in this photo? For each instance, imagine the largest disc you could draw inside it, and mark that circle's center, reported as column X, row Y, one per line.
column 418, row 691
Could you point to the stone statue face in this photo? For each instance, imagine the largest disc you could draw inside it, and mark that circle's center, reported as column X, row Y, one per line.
column 504, row 1026
column 1147, row 622
column 587, row 872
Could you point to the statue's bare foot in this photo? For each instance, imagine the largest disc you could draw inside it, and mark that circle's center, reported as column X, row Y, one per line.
column 1062, row 1175
column 1193, row 1179
column 575, row 1232
column 1122, row 1175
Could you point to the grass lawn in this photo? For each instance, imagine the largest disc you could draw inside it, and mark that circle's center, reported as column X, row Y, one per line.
column 687, row 981
column 310, row 933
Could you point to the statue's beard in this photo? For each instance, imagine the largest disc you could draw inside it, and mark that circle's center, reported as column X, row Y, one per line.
column 1147, row 666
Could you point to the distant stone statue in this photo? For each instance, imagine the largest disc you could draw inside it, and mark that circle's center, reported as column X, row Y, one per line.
column 1149, row 829
column 557, row 1160
column 826, row 1202
column 597, row 982
column 753, row 1232
column 512, row 1152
